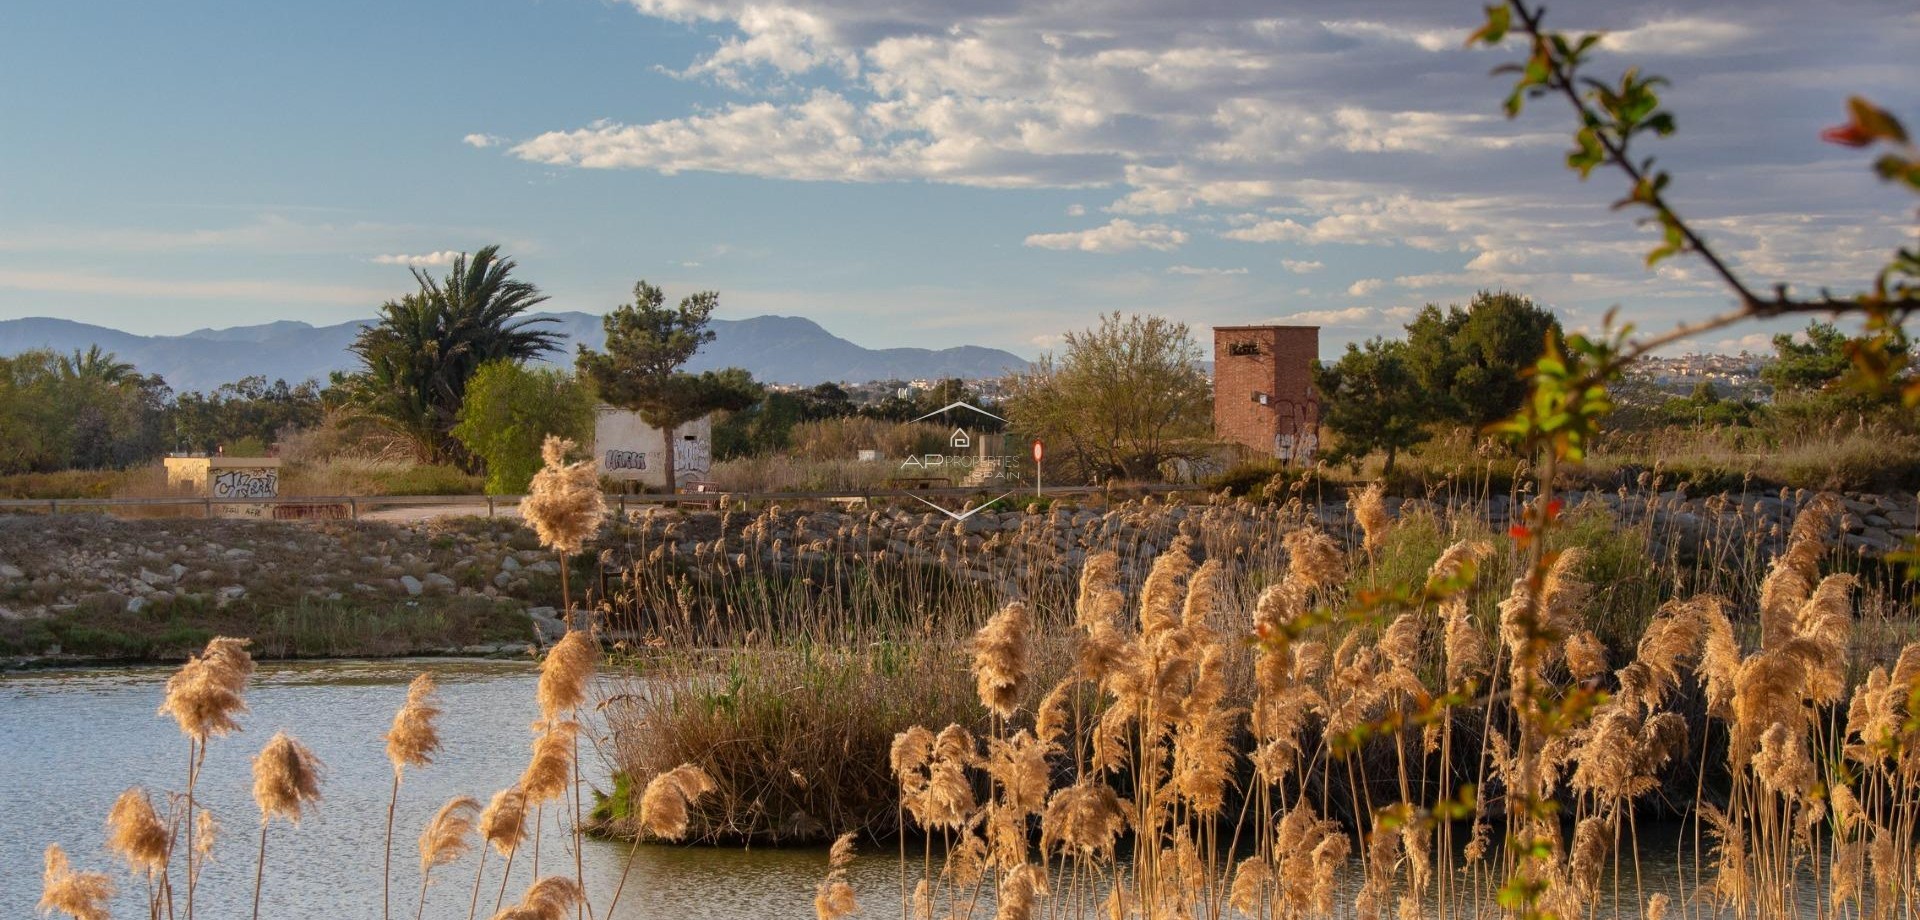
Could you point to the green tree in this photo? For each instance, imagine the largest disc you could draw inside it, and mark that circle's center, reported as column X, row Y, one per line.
column 647, row 344
column 427, row 345
column 510, row 410
column 1119, row 400
column 87, row 410
column 247, row 409
column 1819, row 362
column 1374, row 400
column 1472, row 360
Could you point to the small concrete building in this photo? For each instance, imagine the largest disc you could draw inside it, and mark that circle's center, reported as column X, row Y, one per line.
column 229, row 478
column 1263, row 395
column 628, row 449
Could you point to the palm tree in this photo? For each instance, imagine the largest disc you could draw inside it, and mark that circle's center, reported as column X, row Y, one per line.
column 428, row 344
column 96, row 366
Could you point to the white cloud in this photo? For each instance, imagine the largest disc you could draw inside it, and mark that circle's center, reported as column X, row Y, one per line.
column 1291, row 125
column 1117, row 235
column 1197, row 270
column 1302, row 266
column 1351, row 316
column 1424, row 39
column 1677, row 35
column 443, row 257
column 1365, row 286
column 483, row 141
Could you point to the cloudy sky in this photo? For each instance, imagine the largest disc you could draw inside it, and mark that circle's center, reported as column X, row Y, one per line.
column 910, row 172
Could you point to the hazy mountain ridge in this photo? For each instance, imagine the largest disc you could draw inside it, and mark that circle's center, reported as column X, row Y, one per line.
column 776, row 349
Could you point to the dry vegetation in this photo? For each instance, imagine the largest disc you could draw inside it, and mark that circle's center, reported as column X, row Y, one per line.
column 1226, row 709
column 1149, row 781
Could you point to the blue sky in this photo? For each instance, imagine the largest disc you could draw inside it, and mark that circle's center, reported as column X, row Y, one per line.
column 908, row 172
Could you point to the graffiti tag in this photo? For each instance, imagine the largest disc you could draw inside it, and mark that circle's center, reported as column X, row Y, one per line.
column 626, row 460
column 263, row 483
column 691, row 457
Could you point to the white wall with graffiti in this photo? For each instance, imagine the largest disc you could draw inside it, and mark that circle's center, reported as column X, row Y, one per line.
column 630, row 450
column 227, row 478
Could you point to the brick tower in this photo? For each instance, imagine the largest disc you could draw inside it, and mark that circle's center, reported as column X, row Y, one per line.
column 1263, row 396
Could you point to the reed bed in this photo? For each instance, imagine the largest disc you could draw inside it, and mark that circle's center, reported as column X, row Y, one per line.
column 1401, row 751
column 1423, row 707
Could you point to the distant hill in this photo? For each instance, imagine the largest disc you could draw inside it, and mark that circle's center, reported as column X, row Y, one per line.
column 776, row 349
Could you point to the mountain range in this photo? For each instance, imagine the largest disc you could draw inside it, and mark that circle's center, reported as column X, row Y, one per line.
column 775, row 349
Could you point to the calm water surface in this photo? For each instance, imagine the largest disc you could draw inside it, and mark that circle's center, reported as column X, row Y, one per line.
column 71, row 741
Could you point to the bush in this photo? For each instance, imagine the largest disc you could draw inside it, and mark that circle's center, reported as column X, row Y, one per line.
column 510, row 410
column 795, row 738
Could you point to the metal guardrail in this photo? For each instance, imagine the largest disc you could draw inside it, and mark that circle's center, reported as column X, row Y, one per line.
column 355, row 504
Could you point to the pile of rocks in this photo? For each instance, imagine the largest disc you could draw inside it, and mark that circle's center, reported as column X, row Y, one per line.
column 50, row 564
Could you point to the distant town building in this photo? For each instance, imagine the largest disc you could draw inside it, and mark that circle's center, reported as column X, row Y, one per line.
column 1263, row 396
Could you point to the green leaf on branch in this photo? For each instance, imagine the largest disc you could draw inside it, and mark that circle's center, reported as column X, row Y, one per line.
column 1499, row 22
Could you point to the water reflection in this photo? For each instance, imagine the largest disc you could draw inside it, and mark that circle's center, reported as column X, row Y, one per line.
column 73, row 740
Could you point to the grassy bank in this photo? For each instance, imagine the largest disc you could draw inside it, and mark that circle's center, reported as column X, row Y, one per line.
column 302, row 629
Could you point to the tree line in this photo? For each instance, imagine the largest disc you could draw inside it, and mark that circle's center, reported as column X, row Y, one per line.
column 90, row 410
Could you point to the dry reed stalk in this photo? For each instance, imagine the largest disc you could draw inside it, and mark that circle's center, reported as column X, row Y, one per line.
column 447, row 837
column 564, row 505
column 833, row 898
column 564, row 677
column 503, row 823
column 411, row 741
column 1370, row 512
column 81, row 895
column 203, row 697
column 286, row 780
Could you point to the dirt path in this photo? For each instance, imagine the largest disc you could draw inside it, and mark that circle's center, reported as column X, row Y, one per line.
column 409, row 514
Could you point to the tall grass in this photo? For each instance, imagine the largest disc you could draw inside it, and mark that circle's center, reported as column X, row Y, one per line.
column 1392, row 755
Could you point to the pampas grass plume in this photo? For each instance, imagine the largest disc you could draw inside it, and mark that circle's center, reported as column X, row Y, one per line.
column 286, row 779
column 564, row 503
column 663, row 806
column 504, row 821
column 551, row 767
column 205, row 694
column 449, row 834
column 833, row 899
column 413, row 739
column 136, row 833
column 81, row 895
column 1370, row 510
column 547, row 899
column 1000, row 658
column 566, row 672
